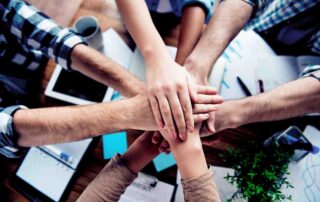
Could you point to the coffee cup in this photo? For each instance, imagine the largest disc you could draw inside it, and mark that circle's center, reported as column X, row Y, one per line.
column 88, row 27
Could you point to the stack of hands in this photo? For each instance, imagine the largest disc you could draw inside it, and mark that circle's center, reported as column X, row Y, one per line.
column 178, row 103
column 183, row 110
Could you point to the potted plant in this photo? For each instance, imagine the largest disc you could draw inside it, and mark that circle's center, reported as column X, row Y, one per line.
column 259, row 173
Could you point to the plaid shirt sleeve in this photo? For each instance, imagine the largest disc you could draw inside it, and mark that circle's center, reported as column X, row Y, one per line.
column 35, row 29
column 8, row 137
column 313, row 71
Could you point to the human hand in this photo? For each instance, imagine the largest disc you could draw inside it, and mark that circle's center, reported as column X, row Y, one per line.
column 170, row 90
column 139, row 114
column 201, row 77
column 141, row 152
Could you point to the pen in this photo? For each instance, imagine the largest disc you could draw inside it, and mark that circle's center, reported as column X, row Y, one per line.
column 243, row 87
column 58, row 153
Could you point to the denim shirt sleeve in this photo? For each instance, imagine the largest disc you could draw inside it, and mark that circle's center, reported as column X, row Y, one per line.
column 8, row 137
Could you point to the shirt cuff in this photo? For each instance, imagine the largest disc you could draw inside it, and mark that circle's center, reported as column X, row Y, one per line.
column 206, row 5
column 253, row 3
column 8, row 137
column 313, row 71
column 62, row 46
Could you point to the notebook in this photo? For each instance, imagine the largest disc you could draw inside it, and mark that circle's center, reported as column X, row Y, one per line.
column 48, row 174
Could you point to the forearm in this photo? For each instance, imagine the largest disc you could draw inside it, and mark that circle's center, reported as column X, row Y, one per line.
column 102, row 69
column 139, row 23
column 229, row 18
column 290, row 100
column 190, row 31
column 65, row 124
column 190, row 158
column 198, row 183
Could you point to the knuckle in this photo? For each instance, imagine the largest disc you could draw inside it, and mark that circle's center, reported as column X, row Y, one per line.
column 166, row 112
column 180, row 86
column 166, row 87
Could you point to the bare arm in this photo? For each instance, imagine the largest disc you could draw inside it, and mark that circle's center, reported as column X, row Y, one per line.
column 97, row 66
column 290, row 100
column 65, row 124
column 229, row 18
column 190, row 31
column 169, row 86
column 198, row 183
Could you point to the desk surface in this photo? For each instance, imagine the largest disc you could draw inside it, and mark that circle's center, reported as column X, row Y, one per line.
column 108, row 16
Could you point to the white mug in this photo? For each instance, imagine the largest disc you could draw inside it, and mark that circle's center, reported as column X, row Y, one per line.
column 88, row 27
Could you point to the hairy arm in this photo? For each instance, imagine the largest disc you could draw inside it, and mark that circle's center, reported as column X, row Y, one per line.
column 64, row 124
column 192, row 23
column 229, row 18
column 99, row 67
column 290, row 100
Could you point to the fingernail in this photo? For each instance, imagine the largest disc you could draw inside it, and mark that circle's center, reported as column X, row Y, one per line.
column 181, row 137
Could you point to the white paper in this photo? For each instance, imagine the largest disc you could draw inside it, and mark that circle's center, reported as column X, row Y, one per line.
column 162, row 192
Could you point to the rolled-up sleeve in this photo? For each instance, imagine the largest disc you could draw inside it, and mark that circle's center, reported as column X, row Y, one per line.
column 312, row 70
column 206, row 5
column 35, row 29
column 8, row 137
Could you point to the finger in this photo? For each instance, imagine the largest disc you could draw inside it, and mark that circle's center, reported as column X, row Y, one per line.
column 192, row 88
column 156, row 111
column 209, row 99
column 163, row 146
column 210, row 123
column 200, row 117
column 156, row 138
column 204, row 108
column 167, row 115
column 206, row 90
column 178, row 115
column 187, row 108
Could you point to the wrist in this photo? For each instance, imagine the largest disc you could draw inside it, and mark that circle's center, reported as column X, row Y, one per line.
column 197, row 69
column 237, row 111
column 155, row 55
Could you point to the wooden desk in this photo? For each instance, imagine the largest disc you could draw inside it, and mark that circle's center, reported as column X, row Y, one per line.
column 108, row 16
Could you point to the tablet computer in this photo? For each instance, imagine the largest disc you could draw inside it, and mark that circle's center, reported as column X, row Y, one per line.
column 76, row 88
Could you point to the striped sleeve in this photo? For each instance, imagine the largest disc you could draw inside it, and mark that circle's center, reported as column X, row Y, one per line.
column 313, row 71
column 35, row 29
column 8, row 137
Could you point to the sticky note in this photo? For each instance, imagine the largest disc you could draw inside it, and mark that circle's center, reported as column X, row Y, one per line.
column 164, row 161
column 114, row 143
